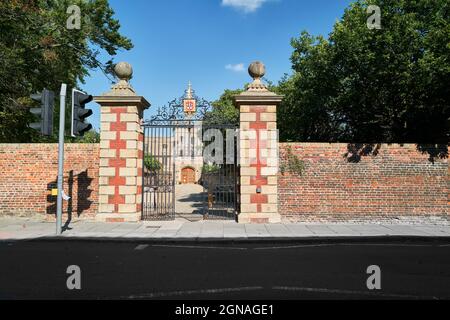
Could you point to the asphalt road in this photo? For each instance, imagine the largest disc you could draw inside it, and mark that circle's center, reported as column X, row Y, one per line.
column 136, row 270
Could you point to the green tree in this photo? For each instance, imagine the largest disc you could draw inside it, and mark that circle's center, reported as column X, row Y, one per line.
column 89, row 137
column 210, row 168
column 152, row 164
column 379, row 85
column 38, row 51
column 224, row 111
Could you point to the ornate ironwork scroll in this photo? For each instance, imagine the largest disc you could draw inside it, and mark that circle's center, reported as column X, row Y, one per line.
column 174, row 110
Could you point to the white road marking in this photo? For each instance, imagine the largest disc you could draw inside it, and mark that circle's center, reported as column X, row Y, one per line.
column 386, row 244
column 345, row 244
column 294, row 247
column 199, row 247
column 141, row 247
column 191, row 292
column 366, row 293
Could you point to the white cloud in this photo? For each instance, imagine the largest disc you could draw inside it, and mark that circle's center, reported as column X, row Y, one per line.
column 235, row 67
column 244, row 5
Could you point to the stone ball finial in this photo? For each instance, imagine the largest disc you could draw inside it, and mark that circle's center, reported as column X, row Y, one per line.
column 257, row 70
column 123, row 71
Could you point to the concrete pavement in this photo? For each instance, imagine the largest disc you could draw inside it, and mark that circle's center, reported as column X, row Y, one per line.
column 27, row 229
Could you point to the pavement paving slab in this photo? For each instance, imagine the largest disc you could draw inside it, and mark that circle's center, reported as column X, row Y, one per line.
column 142, row 230
column 212, row 230
column 373, row 230
column 6, row 222
column 189, row 230
column 436, row 230
column 104, row 227
column 127, row 227
column 279, row 230
column 14, row 227
column 321, row 230
column 86, row 234
column 234, row 230
column 137, row 235
column 164, row 233
column 20, row 229
column 256, row 230
column 168, row 225
column 300, row 230
column 80, row 228
column 344, row 230
column 407, row 230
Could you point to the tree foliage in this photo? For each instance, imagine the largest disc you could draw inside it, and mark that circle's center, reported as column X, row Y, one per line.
column 91, row 136
column 363, row 85
column 210, row 168
column 152, row 164
column 224, row 110
column 38, row 51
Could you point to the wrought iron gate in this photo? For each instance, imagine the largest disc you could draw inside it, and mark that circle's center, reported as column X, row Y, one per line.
column 176, row 142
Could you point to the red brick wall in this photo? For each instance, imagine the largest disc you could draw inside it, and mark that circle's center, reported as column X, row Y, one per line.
column 29, row 171
column 399, row 182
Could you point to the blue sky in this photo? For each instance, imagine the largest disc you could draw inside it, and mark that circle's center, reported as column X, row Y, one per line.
column 209, row 42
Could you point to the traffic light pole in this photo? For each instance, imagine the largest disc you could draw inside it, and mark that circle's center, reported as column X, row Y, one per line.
column 62, row 125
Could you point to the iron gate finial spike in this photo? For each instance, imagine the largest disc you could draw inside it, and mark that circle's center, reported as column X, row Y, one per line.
column 189, row 91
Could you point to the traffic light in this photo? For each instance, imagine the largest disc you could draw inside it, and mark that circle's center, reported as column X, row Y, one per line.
column 80, row 113
column 46, row 100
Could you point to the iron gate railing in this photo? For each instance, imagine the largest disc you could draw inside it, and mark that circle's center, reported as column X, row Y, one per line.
column 175, row 140
column 170, row 147
column 158, row 196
